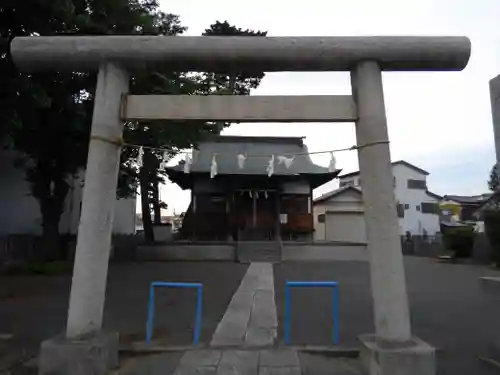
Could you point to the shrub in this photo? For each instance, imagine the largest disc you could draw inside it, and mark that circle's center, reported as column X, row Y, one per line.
column 460, row 240
column 38, row 268
column 492, row 230
column 50, row 268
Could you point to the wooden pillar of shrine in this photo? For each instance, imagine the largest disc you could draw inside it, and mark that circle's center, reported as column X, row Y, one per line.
column 194, row 214
column 254, row 209
column 229, row 196
column 277, row 205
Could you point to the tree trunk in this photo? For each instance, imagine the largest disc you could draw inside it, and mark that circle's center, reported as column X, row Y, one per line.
column 156, row 203
column 50, row 237
column 51, row 196
column 144, row 182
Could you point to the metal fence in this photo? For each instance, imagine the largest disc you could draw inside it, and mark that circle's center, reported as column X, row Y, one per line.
column 26, row 247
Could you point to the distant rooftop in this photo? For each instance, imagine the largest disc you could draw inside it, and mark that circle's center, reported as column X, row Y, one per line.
column 399, row 162
column 468, row 199
column 335, row 192
column 357, row 189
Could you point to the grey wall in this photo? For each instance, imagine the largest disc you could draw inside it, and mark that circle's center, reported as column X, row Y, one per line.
column 291, row 251
column 214, row 252
column 327, row 252
column 20, row 212
column 420, row 246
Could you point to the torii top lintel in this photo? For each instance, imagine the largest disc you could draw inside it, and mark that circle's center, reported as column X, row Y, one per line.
column 243, row 53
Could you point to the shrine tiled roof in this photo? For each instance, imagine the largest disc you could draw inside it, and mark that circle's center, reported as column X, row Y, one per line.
column 258, row 151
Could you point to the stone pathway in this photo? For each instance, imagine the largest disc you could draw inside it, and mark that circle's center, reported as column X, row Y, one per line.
column 250, row 319
column 239, row 362
column 237, row 347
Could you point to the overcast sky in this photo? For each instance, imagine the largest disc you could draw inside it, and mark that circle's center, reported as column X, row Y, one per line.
column 440, row 122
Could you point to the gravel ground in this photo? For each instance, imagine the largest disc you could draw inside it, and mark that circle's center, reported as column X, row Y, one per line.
column 449, row 309
column 33, row 308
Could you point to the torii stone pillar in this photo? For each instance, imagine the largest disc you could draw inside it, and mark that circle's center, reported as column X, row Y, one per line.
column 99, row 195
column 392, row 350
column 495, row 114
column 392, row 320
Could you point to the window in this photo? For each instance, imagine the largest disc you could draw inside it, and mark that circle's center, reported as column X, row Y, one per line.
column 417, row 184
column 407, row 206
column 394, row 181
column 321, row 218
column 417, row 207
column 400, row 210
column 430, row 208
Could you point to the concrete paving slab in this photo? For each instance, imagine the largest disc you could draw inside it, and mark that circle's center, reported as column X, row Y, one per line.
column 201, row 358
column 199, row 362
column 155, row 364
column 239, row 362
column 322, row 365
column 252, row 307
column 279, row 358
column 279, row 371
column 204, row 370
column 257, row 336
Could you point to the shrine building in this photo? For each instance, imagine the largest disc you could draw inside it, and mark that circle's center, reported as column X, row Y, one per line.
column 250, row 188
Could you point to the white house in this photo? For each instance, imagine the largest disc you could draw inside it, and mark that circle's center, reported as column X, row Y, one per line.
column 20, row 213
column 339, row 214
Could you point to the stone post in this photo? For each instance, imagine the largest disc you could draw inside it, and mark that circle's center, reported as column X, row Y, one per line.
column 86, row 349
column 495, row 113
column 392, row 321
column 99, row 195
column 388, row 351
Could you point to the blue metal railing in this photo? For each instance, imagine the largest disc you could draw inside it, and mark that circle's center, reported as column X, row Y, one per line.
column 310, row 284
column 151, row 306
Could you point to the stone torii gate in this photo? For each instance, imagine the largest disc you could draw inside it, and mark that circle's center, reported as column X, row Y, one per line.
column 393, row 349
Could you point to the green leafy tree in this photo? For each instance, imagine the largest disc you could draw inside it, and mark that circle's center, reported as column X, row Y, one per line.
column 46, row 116
column 493, row 182
column 173, row 136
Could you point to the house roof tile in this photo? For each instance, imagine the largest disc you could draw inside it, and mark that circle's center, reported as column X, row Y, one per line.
column 399, row 162
column 468, row 199
column 336, row 192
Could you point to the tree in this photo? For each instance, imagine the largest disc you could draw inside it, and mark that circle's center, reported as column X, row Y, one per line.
column 240, row 82
column 48, row 114
column 493, row 182
column 174, row 136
